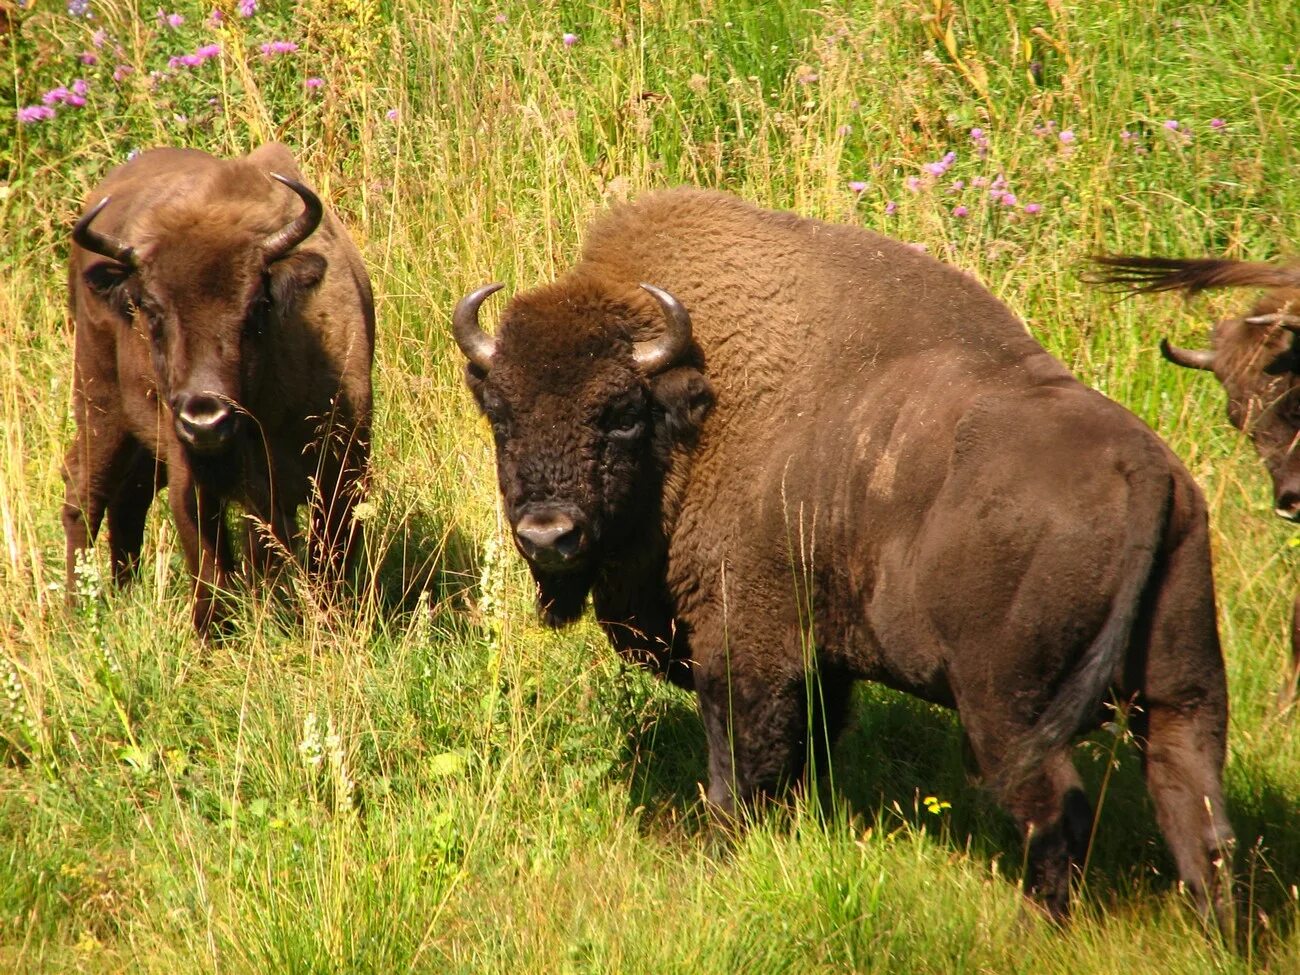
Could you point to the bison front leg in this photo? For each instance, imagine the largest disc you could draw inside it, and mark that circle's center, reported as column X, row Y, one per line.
column 103, row 471
column 762, row 730
column 1286, row 696
column 200, row 525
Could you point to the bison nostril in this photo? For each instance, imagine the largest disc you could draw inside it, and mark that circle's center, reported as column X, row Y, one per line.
column 1288, row 505
column 553, row 536
column 203, row 420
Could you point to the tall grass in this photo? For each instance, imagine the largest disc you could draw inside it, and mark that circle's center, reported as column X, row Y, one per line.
column 432, row 782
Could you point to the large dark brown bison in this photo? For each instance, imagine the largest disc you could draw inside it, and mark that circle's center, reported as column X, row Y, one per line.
column 784, row 455
column 1255, row 357
column 224, row 331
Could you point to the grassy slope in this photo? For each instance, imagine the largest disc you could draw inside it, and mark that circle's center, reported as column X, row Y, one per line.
column 434, row 782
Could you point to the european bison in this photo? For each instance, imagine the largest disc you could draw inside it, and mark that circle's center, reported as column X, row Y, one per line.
column 224, row 331
column 1255, row 357
column 804, row 454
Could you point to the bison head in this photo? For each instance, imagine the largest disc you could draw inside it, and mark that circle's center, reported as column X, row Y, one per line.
column 588, row 387
column 206, row 297
column 1257, row 360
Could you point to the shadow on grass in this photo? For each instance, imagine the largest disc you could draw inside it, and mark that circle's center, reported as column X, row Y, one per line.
column 899, row 750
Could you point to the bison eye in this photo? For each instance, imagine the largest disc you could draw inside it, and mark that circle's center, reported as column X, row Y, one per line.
column 623, row 424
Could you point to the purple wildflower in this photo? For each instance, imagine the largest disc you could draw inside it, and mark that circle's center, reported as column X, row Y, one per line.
column 391, row 115
column 569, row 39
column 247, row 8
column 79, row 8
column 89, row 58
column 913, row 183
column 1217, row 123
column 209, row 51
column 216, row 18
column 34, row 113
column 55, row 96
column 960, row 211
column 1127, row 136
column 80, row 87
column 311, row 84
column 844, row 130
column 1066, row 136
column 272, row 48
column 1032, row 208
column 170, row 20
column 99, row 38
column 958, row 185
column 979, row 182
column 857, row 186
column 1171, row 124
column 891, row 208
column 500, row 18
column 121, row 71
column 1008, row 199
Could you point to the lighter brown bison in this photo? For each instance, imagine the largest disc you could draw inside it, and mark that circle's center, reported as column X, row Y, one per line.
column 1255, row 357
column 224, row 332
column 783, row 455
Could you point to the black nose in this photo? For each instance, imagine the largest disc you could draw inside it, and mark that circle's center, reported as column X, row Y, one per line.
column 203, row 421
column 1288, row 505
column 552, row 537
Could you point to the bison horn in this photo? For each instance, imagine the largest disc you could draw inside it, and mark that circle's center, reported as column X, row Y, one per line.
column 477, row 345
column 658, row 354
column 98, row 243
column 303, row 226
column 1191, row 358
column 1290, row 322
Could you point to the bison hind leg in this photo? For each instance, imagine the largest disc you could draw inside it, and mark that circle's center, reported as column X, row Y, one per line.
column 127, row 512
column 1054, row 816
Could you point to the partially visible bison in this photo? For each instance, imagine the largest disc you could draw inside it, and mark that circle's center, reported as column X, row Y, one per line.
column 224, row 332
column 783, row 455
column 1255, row 357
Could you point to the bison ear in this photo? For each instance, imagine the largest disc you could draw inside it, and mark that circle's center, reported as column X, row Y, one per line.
column 112, row 283
column 685, row 396
column 293, row 276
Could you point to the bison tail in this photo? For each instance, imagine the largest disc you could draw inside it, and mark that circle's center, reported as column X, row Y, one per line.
column 1081, row 693
column 1148, row 275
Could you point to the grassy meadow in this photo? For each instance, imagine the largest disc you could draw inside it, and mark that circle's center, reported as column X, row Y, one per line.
column 429, row 781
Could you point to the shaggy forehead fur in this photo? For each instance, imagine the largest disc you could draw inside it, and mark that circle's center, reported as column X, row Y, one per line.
column 209, row 237
column 1242, row 351
column 562, row 332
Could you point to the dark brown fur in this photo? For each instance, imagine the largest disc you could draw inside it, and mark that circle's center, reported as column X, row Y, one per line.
column 865, row 468
column 290, row 344
column 1258, row 366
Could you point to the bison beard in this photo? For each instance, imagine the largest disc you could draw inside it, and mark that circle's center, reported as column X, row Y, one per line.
column 776, row 439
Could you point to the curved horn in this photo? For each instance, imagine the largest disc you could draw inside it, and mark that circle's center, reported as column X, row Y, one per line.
column 658, row 354
column 1289, row 322
column 98, row 243
column 1191, row 358
column 477, row 345
column 303, row 226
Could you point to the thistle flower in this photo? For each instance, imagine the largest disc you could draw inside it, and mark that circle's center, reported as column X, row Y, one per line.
column 391, row 115
column 1171, row 124
column 1067, row 136
column 960, row 211
column 1032, row 208
column 99, row 38
column 34, row 113
column 272, row 48
column 121, row 71
column 311, row 84
column 1217, row 123
column 247, row 8
column 172, row 20
column 79, row 8
column 88, row 58
column 891, row 208
column 857, row 186
column 569, row 39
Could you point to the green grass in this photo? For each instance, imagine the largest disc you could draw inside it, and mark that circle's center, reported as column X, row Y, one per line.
column 432, row 782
